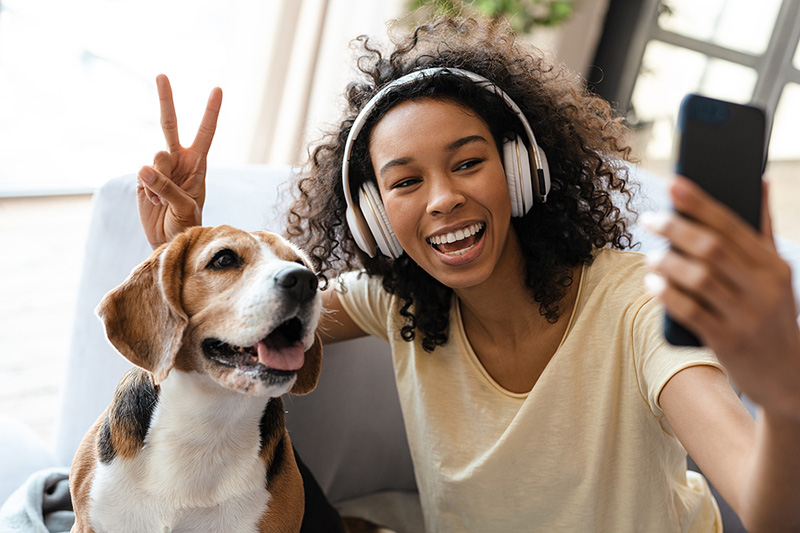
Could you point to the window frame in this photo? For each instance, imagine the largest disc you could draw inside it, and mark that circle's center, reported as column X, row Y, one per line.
column 774, row 67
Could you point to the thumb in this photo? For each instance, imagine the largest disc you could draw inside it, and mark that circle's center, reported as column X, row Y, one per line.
column 143, row 194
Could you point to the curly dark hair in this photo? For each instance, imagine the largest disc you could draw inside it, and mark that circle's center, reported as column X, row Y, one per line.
column 582, row 137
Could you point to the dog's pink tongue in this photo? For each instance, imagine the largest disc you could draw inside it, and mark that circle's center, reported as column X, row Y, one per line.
column 280, row 354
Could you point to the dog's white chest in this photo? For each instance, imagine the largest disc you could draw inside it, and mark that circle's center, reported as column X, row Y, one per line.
column 132, row 511
column 194, row 474
column 120, row 503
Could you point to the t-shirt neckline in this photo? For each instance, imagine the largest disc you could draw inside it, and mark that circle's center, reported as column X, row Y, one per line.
column 470, row 354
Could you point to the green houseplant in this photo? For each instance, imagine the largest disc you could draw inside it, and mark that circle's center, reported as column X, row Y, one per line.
column 523, row 15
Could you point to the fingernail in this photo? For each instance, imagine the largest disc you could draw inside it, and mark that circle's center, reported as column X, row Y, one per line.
column 156, row 200
column 681, row 187
column 654, row 257
column 655, row 220
column 654, row 284
column 147, row 175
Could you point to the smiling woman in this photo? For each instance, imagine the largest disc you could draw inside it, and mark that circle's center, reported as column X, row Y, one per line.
column 575, row 210
column 463, row 167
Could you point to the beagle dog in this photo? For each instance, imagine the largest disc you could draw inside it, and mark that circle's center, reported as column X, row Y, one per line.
column 219, row 323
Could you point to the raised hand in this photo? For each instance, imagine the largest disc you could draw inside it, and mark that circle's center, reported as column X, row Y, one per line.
column 171, row 192
column 730, row 285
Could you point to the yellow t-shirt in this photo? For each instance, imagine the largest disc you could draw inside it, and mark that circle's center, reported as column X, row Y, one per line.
column 587, row 449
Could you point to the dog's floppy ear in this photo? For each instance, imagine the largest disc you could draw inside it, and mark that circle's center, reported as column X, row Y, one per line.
column 308, row 375
column 143, row 317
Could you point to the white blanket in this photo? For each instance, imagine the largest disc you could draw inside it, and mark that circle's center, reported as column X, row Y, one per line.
column 41, row 505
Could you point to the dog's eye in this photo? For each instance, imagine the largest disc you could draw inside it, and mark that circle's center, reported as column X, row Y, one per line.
column 224, row 259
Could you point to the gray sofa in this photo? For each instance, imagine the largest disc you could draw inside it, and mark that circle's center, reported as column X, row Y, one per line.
column 349, row 431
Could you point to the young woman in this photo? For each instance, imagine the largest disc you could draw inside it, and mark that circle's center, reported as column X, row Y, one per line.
column 536, row 386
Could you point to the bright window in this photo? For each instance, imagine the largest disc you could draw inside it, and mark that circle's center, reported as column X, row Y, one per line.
column 786, row 128
column 669, row 73
column 734, row 50
column 78, row 103
column 741, row 25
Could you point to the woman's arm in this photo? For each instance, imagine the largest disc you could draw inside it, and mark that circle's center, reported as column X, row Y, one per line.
column 336, row 325
column 171, row 193
column 730, row 285
column 755, row 466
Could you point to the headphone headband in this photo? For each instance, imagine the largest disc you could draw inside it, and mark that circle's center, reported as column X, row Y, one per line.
column 360, row 227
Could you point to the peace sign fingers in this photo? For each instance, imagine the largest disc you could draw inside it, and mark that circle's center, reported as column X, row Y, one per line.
column 169, row 120
column 172, row 191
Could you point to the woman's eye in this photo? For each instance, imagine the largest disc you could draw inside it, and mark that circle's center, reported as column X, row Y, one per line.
column 405, row 183
column 224, row 259
column 466, row 165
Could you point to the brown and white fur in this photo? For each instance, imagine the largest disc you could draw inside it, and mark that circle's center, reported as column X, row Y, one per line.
column 220, row 324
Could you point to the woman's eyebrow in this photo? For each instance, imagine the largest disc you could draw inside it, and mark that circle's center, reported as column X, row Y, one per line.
column 455, row 145
column 399, row 162
column 452, row 147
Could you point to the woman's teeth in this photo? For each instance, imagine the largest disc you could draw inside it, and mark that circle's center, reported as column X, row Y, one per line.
column 455, row 237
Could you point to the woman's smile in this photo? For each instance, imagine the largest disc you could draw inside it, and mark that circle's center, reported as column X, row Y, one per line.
column 455, row 245
column 443, row 241
column 444, row 189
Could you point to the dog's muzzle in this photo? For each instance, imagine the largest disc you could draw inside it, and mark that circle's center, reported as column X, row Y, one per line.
column 281, row 353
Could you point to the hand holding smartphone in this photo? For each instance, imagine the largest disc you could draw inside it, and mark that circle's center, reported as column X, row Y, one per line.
column 721, row 146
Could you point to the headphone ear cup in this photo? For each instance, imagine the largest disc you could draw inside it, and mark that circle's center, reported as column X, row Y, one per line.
column 360, row 231
column 518, row 176
column 369, row 200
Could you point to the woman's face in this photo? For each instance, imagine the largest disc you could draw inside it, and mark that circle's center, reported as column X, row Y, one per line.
column 441, row 179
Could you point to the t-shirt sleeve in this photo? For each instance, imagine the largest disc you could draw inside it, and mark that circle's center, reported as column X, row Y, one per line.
column 366, row 302
column 655, row 359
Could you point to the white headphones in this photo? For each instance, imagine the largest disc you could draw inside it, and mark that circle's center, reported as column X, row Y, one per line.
column 367, row 219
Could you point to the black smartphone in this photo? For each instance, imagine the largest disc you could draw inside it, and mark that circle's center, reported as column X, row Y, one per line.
column 721, row 146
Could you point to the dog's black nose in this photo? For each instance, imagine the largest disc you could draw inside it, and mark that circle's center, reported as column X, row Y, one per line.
column 298, row 281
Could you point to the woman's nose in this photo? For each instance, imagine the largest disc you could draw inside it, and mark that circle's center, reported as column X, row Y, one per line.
column 444, row 196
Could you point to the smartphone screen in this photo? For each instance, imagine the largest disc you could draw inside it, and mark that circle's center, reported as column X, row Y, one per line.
column 721, row 146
